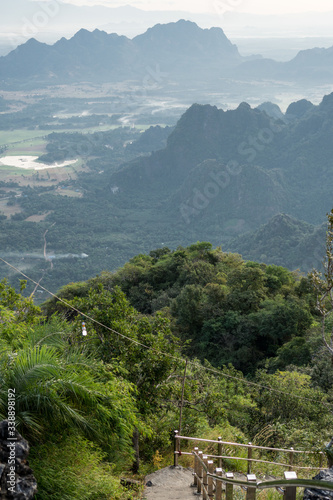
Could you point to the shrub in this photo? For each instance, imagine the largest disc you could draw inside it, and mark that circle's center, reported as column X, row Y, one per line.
column 74, row 469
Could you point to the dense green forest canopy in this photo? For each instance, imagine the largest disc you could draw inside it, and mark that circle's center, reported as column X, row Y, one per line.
column 228, row 310
column 257, row 369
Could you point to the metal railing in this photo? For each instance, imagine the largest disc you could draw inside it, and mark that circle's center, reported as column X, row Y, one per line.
column 291, row 453
column 210, row 481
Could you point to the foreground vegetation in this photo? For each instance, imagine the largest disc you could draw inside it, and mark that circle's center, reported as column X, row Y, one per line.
column 115, row 393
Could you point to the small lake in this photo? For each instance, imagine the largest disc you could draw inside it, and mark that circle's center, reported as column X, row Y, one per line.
column 31, row 163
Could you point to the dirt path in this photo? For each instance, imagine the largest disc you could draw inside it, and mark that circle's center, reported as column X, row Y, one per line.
column 171, row 483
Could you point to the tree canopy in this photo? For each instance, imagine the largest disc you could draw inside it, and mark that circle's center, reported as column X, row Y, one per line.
column 251, row 334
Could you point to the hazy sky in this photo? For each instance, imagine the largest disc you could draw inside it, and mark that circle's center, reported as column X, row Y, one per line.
column 252, row 6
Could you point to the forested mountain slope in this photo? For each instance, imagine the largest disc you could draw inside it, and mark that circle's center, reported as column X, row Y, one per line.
column 232, row 170
column 229, row 310
column 220, row 175
column 285, row 241
column 101, row 366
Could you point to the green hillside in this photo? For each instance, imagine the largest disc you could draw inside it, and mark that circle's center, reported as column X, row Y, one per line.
column 101, row 366
column 229, row 310
column 283, row 241
column 219, row 177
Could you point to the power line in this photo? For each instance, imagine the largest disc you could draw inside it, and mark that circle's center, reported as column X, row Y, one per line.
column 87, row 315
column 179, row 359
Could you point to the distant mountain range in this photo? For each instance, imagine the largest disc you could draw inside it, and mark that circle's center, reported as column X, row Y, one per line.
column 226, row 173
column 176, row 49
column 309, row 65
column 171, row 52
column 18, row 18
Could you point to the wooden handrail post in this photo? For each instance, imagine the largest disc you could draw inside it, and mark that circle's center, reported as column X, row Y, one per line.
column 182, row 400
column 210, row 465
column 219, row 452
column 204, row 479
column 195, row 480
column 200, row 473
column 176, row 448
column 291, row 458
column 290, row 492
column 251, row 491
column 229, row 488
column 329, row 461
column 249, row 456
column 218, row 490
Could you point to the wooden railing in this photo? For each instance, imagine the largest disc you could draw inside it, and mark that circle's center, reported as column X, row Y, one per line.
column 210, row 480
column 290, row 453
column 210, row 483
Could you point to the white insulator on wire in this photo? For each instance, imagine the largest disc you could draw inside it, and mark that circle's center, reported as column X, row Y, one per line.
column 84, row 330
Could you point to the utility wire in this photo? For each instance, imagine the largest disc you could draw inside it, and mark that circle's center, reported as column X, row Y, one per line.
column 179, row 359
column 89, row 317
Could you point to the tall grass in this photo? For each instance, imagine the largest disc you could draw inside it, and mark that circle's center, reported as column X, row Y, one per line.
column 74, row 469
